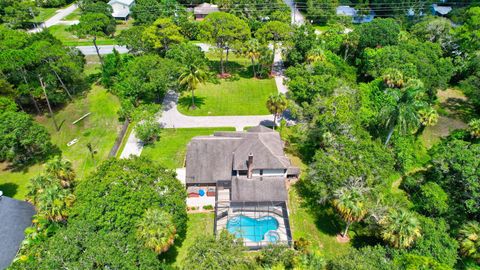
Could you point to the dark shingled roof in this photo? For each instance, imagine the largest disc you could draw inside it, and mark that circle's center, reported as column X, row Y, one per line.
column 212, row 158
column 259, row 189
column 15, row 217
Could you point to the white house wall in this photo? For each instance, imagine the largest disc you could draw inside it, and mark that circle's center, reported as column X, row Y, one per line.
column 273, row 172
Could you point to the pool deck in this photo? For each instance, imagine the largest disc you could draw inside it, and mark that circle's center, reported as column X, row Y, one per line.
column 201, row 201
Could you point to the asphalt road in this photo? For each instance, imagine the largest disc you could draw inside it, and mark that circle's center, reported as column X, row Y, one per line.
column 104, row 49
column 55, row 19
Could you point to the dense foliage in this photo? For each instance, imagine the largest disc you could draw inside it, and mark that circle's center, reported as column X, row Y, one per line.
column 109, row 217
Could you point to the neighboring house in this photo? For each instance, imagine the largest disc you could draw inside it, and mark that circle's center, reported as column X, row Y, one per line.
column 15, row 217
column 121, row 8
column 356, row 17
column 201, row 11
column 440, row 10
column 246, row 174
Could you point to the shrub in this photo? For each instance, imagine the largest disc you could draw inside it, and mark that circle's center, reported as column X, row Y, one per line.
column 207, row 207
column 148, row 130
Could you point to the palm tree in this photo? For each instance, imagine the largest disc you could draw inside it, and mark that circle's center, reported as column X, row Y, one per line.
column 191, row 77
column 276, row 104
column 350, row 204
column 42, row 84
column 156, row 230
column 252, row 51
column 393, row 78
column 37, row 186
column 53, row 203
column 474, row 128
column 400, row 228
column 316, row 54
column 404, row 112
column 61, row 170
column 469, row 238
column 428, row 118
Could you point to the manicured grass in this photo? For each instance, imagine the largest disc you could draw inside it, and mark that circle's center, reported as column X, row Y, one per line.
column 319, row 226
column 100, row 129
column 198, row 225
column 169, row 151
column 15, row 184
column 69, row 38
column 74, row 15
column 44, row 14
column 240, row 97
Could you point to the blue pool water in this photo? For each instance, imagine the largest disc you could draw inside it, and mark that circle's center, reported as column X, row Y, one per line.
column 253, row 229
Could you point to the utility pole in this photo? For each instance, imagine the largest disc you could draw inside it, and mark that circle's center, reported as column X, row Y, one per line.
column 33, row 16
column 48, row 102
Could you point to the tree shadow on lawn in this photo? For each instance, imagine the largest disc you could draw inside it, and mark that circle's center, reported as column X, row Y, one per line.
column 459, row 107
column 9, row 189
column 171, row 255
column 185, row 102
column 233, row 68
column 325, row 217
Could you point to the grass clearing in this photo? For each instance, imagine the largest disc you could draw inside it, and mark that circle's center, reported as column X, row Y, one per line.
column 75, row 15
column 239, row 95
column 44, row 14
column 100, row 129
column 69, row 39
column 318, row 227
column 169, row 151
column 198, row 225
column 454, row 111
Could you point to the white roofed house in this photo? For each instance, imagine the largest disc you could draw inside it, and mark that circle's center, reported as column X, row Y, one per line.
column 121, row 8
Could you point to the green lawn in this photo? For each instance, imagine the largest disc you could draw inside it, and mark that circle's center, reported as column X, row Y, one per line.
column 100, row 129
column 74, row 15
column 169, row 151
column 44, row 14
column 239, row 95
column 69, row 39
column 198, row 225
column 318, row 227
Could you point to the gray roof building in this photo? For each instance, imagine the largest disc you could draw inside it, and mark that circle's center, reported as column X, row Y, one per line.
column 271, row 189
column 202, row 10
column 15, row 217
column 218, row 157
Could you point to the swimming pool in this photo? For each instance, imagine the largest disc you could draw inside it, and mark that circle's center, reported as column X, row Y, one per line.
column 253, row 229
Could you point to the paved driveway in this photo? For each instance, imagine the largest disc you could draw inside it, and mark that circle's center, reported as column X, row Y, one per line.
column 104, row 49
column 55, row 19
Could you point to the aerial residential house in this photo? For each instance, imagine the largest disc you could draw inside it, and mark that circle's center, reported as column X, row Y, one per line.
column 121, row 8
column 15, row 217
column 245, row 173
column 440, row 10
column 201, row 11
column 356, row 16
